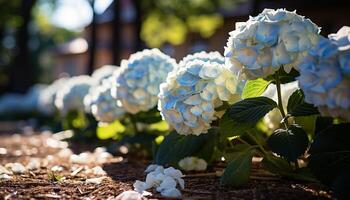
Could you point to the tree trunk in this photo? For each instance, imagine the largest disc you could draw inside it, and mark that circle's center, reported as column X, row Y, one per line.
column 138, row 23
column 93, row 40
column 116, row 26
column 22, row 71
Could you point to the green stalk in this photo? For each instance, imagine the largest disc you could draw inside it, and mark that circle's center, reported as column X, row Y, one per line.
column 257, row 142
column 133, row 123
column 279, row 95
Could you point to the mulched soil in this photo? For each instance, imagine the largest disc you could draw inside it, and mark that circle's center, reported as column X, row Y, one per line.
column 121, row 174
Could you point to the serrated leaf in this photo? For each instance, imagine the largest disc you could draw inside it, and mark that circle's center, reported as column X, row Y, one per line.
column 290, row 143
column 176, row 146
column 228, row 127
column 251, row 110
column 238, row 170
column 298, row 107
column 330, row 153
column 254, row 88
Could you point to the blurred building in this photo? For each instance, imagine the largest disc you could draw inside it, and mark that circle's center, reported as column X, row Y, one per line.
column 73, row 56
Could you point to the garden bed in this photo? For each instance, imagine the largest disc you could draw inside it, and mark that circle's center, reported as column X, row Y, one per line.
column 122, row 173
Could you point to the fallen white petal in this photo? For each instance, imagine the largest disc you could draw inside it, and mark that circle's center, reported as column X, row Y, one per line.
column 95, row 180
column 33, row 164
column 16, row 168
column 56, row 168
column 173, row 192
column 5, row 176
column 129, row 195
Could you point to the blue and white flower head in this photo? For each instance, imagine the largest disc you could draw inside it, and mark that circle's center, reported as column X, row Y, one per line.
column 137, row 83
column 99, row 75
column 103, row 72
column 46, row 98
column 188, row 98
column 325, row 75
column 274, row 38
column 103, row 106
column 71, row 96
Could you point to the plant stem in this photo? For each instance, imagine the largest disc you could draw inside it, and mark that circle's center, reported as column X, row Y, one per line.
column 133, row 123
column 279, row 95
column 257, row 142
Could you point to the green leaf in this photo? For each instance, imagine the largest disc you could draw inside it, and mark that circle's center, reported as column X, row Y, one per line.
column 176, row 147
column 280, row 166
column 228, row 127
column 107, row 131
column 238, row 170
column 251, row 110
column 254, row 88
column 276, row 165
column 298, row 107
column 330, row 153
column 290, row 143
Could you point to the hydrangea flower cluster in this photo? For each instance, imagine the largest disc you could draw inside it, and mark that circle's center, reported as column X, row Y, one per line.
column 324, row 75
column 103, row 73
column 164, row 180
column 103, row 105
column 137, row 83
column 46, row 99
column 100, row 75
column 188, row 98
column 193, row 163
column 274, row 38
column 71, row 96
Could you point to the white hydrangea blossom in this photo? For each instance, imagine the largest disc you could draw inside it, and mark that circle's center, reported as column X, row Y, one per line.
column 71, row 96
column 137, row 83
column 273, row 119
column 46, row 99
column 274, row 38
column 188, row 98
column 100, row 75
column 324, row 75
column 13, row 103
column 193, row 163
column 103, row 105
column 103, row 73
column 164, row 180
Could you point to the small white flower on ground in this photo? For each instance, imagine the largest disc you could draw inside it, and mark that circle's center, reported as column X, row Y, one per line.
column 33, row 164
column 193, row 163
column 16, row 168
column 3, row 151
column 172, row 192
column 5, row 177
column 65, row 153
column 4, row 170
column 98, row 171
column 56, row 168
column 95, row 180
column 163, row 180
column 132, row 195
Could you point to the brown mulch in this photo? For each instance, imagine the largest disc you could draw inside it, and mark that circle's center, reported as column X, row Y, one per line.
column 122, row 172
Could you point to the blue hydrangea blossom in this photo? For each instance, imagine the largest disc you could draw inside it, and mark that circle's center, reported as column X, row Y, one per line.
column 263, row 44
column 137, row 83
column 188, row 98
column 324, row 75
column 103, row 106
